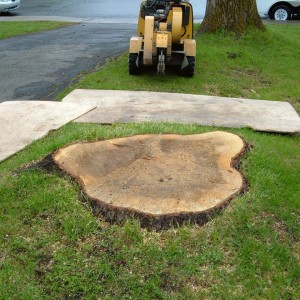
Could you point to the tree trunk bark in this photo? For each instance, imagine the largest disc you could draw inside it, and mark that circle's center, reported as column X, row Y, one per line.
column 231, row 15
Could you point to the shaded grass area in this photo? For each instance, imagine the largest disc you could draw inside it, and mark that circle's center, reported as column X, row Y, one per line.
column 11, row 29
column 259, row 65
column 53, row 247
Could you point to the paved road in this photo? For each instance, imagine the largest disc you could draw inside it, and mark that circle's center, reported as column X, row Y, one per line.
column 106, row 10
column 40, row 66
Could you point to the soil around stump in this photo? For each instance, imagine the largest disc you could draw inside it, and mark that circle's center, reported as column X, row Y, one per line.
column 157, row 177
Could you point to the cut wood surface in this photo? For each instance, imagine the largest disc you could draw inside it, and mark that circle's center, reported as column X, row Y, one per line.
column 157, row 175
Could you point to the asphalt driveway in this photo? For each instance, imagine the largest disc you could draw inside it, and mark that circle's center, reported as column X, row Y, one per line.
column 40, row 66
column 106, row 10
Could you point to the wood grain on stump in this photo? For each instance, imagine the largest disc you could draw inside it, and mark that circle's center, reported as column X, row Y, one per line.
column 157, row 176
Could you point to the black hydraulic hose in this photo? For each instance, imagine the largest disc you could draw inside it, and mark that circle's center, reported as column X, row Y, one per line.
column 184, row 31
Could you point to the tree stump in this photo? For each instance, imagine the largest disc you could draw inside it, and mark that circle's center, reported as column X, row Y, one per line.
column 161, row 179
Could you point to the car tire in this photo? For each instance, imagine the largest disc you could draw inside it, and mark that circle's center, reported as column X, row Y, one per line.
column 281, row 13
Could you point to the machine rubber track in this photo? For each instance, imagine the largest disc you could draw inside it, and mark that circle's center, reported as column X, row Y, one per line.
column 132, row 66
column 189, row 70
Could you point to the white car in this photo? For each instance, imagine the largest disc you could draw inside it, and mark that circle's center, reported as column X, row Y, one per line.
column 278, row 10
column 9, row 5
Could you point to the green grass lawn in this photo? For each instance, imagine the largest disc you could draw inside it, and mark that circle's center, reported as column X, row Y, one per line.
column 53, row 247
column 11, row 29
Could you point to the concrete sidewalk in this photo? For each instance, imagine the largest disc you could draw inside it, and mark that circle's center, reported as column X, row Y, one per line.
column 137, row 106
column 23, row 122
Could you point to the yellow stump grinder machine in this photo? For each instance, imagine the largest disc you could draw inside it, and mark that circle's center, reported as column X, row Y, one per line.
column 164, row 37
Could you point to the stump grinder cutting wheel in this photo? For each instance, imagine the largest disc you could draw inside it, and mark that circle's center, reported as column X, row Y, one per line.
column 164, row 37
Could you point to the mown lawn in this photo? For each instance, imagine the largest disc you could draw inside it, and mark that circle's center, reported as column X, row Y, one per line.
column 52, row 246
column 11, row 29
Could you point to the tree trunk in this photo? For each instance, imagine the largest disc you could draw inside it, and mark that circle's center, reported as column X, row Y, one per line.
column 231, row 15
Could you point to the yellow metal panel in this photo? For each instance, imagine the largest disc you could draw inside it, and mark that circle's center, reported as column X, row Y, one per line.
column 188, row 33
column 169, row 49
column 135, row 44
column 141, row 27
column 141, row 21
column 162, row 39
column 154, row 43
column 148, row 40
column 163, row 26
column 189, row 47
column 176, row 24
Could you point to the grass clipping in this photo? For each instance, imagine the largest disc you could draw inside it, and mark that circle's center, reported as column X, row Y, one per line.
column 161, row 179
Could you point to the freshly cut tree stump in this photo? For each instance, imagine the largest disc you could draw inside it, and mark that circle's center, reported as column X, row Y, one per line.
column 162, row 179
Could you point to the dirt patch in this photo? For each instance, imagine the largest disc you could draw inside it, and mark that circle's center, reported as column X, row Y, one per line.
column 162, row 179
